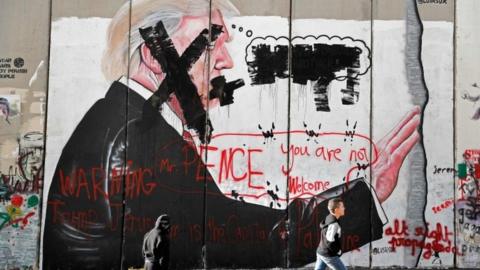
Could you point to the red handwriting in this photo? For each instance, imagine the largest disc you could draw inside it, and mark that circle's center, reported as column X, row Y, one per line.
column 77, row 182
column 191, row 159
column 437, row 240
column 195, row 231
column 293, row 151
column 231, row 157
column 234, row 164
column 321, row 134
column 235, row 230
column 297, row 184
column 308, row 234
column 84, row 219
column 232, row 230
column 351, row 242
column 78, row 219
column 328, row 154
column 321, row 152
column 166, row 165
column 359, row 155
column 446, row 204
column 139, row 224
column 399, row 228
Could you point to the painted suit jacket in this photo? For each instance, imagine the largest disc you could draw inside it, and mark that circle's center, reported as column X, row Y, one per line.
column 123, row 150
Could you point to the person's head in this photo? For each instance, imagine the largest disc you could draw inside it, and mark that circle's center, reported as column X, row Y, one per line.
column 163, row 223
column 336, row 207
column 126, row 52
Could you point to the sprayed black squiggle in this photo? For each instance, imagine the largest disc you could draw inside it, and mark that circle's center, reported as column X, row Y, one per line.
column 350, row 133
column 312, row 134
column 267, row 134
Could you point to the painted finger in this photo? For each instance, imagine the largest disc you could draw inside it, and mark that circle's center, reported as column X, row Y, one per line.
column 412, row 113
column 402, row 151
column 405, row 132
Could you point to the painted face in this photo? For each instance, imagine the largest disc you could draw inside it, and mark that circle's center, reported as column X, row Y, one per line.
column 201, row 73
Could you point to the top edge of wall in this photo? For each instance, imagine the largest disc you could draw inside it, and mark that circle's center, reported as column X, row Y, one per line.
column 430, row 10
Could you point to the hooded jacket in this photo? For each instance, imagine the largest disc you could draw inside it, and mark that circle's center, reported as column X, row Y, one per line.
column 156, row 245
column 330, row 244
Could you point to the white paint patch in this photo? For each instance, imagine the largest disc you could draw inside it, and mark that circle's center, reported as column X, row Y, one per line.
column 35, row 74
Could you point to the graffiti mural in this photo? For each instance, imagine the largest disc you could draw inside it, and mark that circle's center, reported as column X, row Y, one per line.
column 467, row 205
column 467, row 154
column 21, row 183
column 240, row 125
column 23, row 89
column 15, row 214
column 19, row 231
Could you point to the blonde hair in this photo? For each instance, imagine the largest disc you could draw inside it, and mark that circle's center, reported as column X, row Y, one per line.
column 146, row 13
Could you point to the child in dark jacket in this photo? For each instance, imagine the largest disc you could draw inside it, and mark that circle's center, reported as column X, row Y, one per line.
column 329, row 248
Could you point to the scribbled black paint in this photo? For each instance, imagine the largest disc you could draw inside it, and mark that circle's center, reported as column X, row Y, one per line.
column 322, row 61
column 317, row 63
column 223, row 90
column 177, row 78
column 273, row 195
column 268, row 64
column 195, row 50
column 350, row 96
column 198, row 45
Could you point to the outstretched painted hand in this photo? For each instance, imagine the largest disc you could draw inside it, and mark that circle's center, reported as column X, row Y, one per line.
column 392, row 150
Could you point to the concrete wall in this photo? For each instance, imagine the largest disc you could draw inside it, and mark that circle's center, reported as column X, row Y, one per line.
column 466, row 128
column 25, row 27
column 373, row 101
